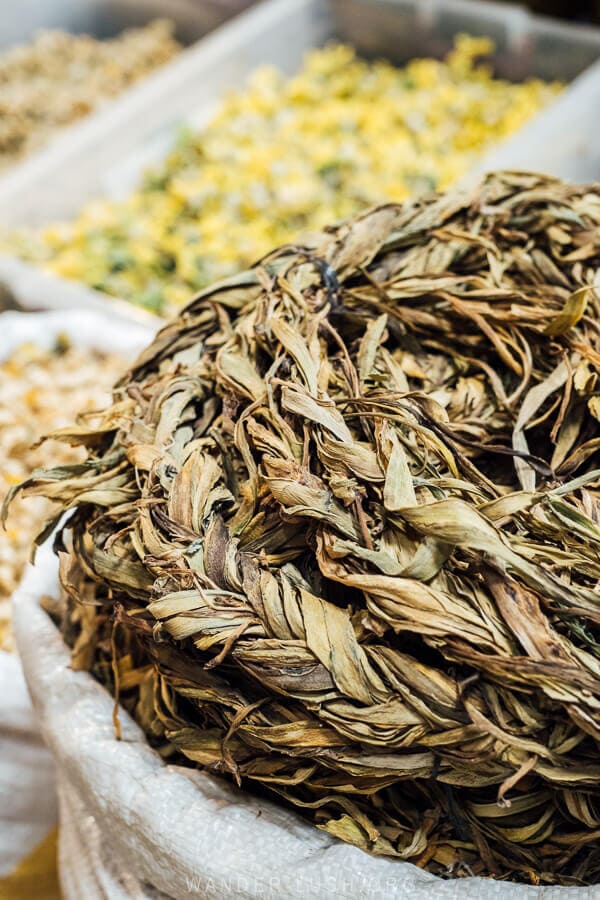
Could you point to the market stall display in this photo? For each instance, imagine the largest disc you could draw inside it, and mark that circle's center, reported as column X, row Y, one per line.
column 287, row 155
column 327, row 563
column 337, row 536
column 58, row 78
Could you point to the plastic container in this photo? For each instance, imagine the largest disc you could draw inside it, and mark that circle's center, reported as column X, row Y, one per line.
column 22, row 20
column 106, row 153
column 106, row 18
column 27, row 288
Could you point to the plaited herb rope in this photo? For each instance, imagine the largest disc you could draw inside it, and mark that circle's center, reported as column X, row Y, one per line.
column 337, row 537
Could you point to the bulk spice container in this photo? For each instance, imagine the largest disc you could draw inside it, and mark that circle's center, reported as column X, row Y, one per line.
column 62, row 61
column 42, row 388
column 123, row 253
column 285, row 156
column 59, row 78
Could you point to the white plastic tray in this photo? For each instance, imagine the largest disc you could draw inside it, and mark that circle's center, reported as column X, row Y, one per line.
column 30, row 289
column 104, row 155
column 106, row 18
column 21, row 20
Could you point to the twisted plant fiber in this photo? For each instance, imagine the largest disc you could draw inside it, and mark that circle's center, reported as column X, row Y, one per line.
column 338, row 534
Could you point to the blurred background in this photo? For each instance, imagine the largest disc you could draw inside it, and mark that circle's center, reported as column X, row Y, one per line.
column 575, row 10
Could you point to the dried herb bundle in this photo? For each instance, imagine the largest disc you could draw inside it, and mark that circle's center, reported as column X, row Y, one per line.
column 338, row 534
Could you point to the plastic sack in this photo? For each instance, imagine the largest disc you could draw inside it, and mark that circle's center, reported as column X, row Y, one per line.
column 85, row 328
column 132, row 826
column 27, row 797
column 28, row 804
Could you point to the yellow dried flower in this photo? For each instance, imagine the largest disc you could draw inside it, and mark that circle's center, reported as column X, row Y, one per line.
column 285, row 156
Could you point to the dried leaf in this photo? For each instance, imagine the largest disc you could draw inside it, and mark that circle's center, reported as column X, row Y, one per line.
column 364, row 487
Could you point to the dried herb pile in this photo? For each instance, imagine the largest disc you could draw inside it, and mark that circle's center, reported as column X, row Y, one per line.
column 338, row 536
column 58, row 78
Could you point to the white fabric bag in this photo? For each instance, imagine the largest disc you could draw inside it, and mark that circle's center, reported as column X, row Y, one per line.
column 135, row 827
column 28, row 806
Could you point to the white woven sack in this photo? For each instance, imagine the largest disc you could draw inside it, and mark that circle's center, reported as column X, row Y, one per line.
column 28, row 809
column 27, row 797
column 135, row 827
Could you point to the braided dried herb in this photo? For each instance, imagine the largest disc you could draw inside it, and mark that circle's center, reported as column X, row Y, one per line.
column 337, row 537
